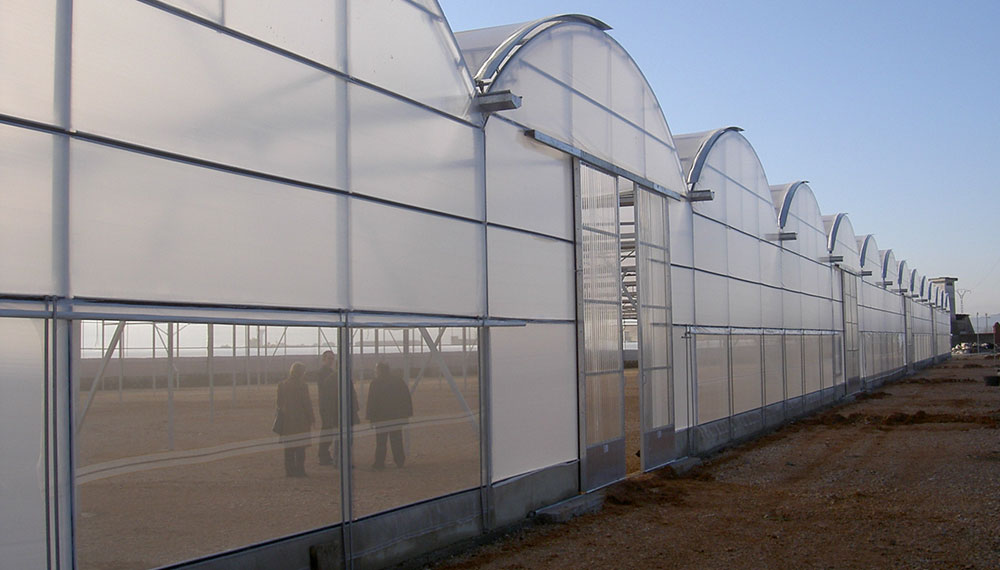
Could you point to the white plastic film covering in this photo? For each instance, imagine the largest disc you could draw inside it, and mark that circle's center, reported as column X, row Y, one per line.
column 603, row 363
column 580, row 86
column 682, row 294
column 409, row 261
column 27, row 58
column 747, row 372
column 315, row 29
column 653, row 263
column 533, row 398
column 710, row 245
column 682, row 234
column 712, row 354
column 407, row 47
column 152, row 229
column 793, row 366
column 774, row 376
column 184, row 88
column 26, row 163
column 711, row 301
column 406, row 154
column 744, row 304
column 771, row 307
column 530, row 276
column 846, row 244
column 520, row 171
column 743, row 256
column 23, row 511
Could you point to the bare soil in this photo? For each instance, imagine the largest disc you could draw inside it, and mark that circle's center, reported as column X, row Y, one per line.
column 905, row 477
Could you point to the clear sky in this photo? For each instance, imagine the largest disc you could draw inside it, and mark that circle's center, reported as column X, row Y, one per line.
column 891, row 109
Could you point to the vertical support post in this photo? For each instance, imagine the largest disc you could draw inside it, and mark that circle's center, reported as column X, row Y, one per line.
column 234, row 364
column 170, row 386
column 121, row 362
column 211, row 373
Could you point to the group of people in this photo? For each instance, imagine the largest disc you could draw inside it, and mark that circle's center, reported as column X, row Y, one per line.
column 388, row 408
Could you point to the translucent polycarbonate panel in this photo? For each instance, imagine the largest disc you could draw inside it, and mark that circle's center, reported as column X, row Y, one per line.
column 533, row 397
column 653, row 264
column 712, row 299
column 605, row 406
column 26, row 177
column 793, row 366
column 774, row 365
column 408, row 48
column 419, row 434
column 601, row 286
column 710, row 246
column 152, row 229
column 174, row 424
column 27, row 59
column 744, row 256
column 187, row 89
column 812, row 363
column 712, row 355
column 521, row 171
column 406, row 154
column 530, row 276
column 682, row 295
column 771, row 310
column 748, row 372
column 23, row 510
column 402, row 260
column 744, row 304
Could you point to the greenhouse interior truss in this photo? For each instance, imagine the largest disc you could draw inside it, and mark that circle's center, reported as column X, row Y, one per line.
column 203, row 198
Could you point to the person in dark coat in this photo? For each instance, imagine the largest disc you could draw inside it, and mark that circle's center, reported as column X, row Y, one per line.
column 329, row 409
column 295, row 409
column 389, row 409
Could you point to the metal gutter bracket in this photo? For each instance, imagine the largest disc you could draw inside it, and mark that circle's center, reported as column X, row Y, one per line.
column 497, row 101
column 701, row 195
column 783, row 236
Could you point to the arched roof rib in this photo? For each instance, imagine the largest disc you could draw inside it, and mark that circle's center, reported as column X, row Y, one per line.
column 692, row 163
column 485, row 69
column 842, row 241
column 783, row 195
column 870, row 259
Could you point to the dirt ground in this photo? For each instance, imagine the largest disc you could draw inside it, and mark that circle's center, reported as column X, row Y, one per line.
column 905, row 477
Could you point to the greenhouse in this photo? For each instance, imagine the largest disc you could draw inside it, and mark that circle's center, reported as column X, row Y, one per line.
column 205, row 203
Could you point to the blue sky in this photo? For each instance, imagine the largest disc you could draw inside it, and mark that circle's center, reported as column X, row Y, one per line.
column 891, row 109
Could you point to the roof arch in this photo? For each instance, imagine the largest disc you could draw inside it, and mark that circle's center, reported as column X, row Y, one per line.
column 902, row 278
column 890, row 268
column 725, row 162
column 581, row 87
column 799, row 212
column 869, row 258
column 485, row 63
column 842, row 241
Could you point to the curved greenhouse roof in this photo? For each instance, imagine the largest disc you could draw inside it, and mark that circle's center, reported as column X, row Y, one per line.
column 579, row 86
column 842, row 241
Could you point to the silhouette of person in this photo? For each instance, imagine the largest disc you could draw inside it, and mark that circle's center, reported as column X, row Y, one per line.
column 389, row 409
column 295, row 409
column 329, row 409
